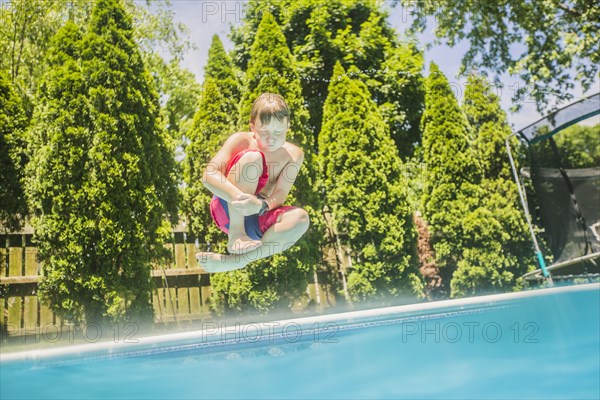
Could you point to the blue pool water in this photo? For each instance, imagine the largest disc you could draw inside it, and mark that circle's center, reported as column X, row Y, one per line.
column 540, row 344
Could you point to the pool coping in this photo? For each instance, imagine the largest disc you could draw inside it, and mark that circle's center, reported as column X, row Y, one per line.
column 276, row 327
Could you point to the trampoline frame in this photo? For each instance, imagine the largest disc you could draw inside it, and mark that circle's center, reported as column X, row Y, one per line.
column 545, row 270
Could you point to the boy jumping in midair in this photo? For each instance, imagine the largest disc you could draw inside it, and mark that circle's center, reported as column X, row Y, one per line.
column 250, row 177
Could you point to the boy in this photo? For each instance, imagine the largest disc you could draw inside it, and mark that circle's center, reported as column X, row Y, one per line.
column 250, row 177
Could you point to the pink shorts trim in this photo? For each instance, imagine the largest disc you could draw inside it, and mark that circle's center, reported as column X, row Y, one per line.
column 270, row 218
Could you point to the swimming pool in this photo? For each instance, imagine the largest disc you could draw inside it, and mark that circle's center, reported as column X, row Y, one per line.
column 535, row 344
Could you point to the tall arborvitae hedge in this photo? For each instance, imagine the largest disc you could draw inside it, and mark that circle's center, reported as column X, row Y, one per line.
column 451, row 167
column 100, row 180
column 401, row 96
column 13, row 122
column 478, row 233
column 360, row 174
column 499, row 250
column 278, row 280
column 214, row 121
column 447, row 138
column 494, row 249
column 482, row 108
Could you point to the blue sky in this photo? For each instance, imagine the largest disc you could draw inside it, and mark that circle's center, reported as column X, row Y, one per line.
column 206, row 18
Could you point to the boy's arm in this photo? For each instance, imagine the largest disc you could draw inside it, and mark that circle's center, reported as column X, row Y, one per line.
column 286, row 180
column 214, row 178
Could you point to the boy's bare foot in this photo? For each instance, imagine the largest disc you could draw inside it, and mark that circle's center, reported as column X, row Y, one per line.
column 213, row 262
column 240, row 244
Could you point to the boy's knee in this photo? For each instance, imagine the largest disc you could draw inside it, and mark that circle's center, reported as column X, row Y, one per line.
column 249, row 168
column 251, row 157
column 302, row 218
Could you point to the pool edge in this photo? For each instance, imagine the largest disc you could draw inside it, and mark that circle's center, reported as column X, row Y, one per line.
column 155, row 340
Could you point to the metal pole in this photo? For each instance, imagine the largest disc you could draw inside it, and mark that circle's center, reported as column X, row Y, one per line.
column 538, row 252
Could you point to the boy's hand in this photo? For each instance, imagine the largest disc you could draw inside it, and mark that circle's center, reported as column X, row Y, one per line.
column 247, row 204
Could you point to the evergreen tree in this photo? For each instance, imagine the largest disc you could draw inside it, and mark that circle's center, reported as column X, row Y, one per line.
column 12, row 158
column 360, row 172
column 479, row 234
column 508, row 245
column 499, row 251
column 447, row 135
column 451, row 169
column 402, row 96
column 496, row 249
column 100, row 180
column 488, row 120
column 280, row 279
column 214, row 121
column 447, row 151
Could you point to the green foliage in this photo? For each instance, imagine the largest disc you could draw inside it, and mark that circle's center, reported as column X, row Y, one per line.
column 360, row 173
column 100, row 181
column 25, row 34
column 447, row 150
column 580, row 146
column 479, row 233
column 163, row 43
column 502, row 253
column 212, row 124
column 482, row 108
column 450, row 167
column 180, row 93
column 28, row 26
column 278, row 280
column 155, row 29
column 323, row 29
column 402, row 96
column 559, row 37
column 102, row 178
column 12, row 158
column 321, row 33
column 495, row 247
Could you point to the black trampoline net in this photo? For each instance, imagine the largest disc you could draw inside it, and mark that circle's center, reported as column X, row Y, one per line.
column 564, row 169
column 572, row 224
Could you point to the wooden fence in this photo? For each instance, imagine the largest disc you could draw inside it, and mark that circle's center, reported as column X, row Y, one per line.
column 182, row 288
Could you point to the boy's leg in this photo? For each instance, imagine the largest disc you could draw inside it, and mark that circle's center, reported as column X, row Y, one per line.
column 244, row 175
column 289, row 227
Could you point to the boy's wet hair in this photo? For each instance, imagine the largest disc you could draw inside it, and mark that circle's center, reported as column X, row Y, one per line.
column 267, row 106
